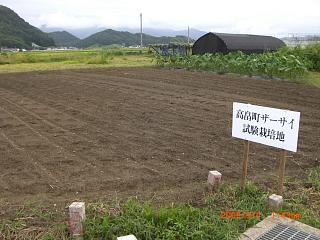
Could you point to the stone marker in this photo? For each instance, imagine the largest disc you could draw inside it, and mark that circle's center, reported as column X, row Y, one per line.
column 275, row 202
column 129, row 237
column 77, row 217
column 214, row 179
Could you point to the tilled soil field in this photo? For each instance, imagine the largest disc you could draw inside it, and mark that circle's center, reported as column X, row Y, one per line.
column 115, row 133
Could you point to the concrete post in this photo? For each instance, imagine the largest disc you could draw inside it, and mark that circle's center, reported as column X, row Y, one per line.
column 214, row 179
column 275, row 202
column 77, row 217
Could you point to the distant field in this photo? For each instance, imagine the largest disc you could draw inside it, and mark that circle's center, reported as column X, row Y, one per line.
column 93, row 58
column 127, row 61
column 60, row 60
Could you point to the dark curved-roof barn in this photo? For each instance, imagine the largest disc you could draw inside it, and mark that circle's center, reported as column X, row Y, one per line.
column 225, row 43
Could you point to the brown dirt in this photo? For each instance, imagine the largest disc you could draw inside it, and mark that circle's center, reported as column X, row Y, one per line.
column 115, row 133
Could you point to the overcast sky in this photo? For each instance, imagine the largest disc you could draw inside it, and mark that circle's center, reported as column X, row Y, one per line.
column 272, row 17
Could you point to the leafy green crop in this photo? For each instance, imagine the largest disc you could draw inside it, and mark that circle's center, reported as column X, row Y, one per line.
column 270, row 64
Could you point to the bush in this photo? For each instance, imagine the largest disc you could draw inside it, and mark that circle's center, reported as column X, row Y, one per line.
column 309, row 54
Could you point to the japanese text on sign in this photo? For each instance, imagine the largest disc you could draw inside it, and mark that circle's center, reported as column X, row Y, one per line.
column 269, row 126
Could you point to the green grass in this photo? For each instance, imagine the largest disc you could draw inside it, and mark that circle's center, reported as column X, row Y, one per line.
column 171, row 222
column 61, row 60
column 177, row 221
column 313, row 79
column 314, row 178
column 62, row 56
column 117, row 61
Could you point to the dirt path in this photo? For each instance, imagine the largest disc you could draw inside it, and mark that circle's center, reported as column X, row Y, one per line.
column 102, row 134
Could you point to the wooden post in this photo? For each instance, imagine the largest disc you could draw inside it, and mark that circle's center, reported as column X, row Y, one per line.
column 245, row 163
column 282, row 168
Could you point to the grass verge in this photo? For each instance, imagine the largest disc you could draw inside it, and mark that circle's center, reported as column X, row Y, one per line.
column 313, row 79
column 177, row 221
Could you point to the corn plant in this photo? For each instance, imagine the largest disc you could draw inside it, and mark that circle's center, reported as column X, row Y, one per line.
column 270, row 64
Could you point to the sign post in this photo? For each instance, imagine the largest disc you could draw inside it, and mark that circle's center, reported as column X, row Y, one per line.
column 269, row 126
column 245, row 163
column 282, row 167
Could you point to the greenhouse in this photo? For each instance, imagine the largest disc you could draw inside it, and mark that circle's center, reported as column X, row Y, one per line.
column 225, row 43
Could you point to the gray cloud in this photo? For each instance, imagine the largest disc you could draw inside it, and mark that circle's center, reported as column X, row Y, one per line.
column 250, row 16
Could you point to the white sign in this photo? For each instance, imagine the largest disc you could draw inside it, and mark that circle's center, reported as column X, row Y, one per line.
column 269, row 126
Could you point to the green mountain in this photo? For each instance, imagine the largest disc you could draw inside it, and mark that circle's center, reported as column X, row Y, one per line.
column 109, row 37
column 15, row 32
column 64, row 39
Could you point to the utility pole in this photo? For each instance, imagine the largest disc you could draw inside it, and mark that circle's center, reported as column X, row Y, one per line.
column 140, row 30
column 188, row 35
